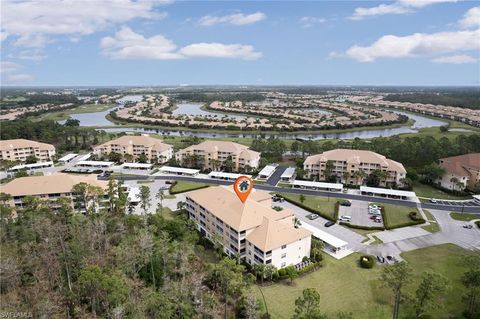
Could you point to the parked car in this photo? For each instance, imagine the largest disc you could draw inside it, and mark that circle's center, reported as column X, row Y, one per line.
column 346, row 203
column 330, row 223
column 433, row 201
column 168, row 182
column 468, row 226
column 346, row 217
column 380, row 259
column 312, row 216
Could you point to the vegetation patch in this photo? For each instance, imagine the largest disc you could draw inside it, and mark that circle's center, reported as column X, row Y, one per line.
column 178, row 187
column 464, row 216
column 322, row 206
column 367, row 261
column 395, row 216
column 433, row 227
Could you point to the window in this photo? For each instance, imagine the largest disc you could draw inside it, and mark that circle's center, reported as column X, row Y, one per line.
column 284, row 246
column 283, row 265
column 284, row 255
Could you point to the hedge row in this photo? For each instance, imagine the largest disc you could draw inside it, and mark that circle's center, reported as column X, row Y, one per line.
column 311, row 210
column 362, row 227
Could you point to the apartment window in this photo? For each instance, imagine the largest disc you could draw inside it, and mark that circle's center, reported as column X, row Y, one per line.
column 283, row 265
column 284, row 246
column 284, row 255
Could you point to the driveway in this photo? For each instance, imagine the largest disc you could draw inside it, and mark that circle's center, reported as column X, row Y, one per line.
column 277, row 174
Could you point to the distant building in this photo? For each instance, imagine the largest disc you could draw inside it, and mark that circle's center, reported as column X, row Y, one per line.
column 154, row 149
column 50, row 187
column 259, row 234
column 460, row 172
column 347, row 165
column 213, row 155
column 20, row 149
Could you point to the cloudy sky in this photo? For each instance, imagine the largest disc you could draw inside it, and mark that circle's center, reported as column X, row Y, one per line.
column 155, row 42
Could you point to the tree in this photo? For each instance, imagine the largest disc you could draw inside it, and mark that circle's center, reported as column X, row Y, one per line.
column 431, row 289
column 346, row 176
column 160, row 196
column 228, row 164
column 21, row 173
column 328, row 172
column 432, row 172
column 291, row 273
column 215, row 164
column 31, row 159
column 115, row 157
column 454, row 181
column 112, row 193
column 144, row 197
column 302, row 198
column 471, row 281
column 142, row 158
column 307, row 306
column 396, row 277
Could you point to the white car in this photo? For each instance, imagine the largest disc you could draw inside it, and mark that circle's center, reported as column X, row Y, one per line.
column 345, row 218
column 373, row 207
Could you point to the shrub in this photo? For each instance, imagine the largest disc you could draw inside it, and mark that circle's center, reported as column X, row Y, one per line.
column 477, row 223
column 414, row 216
column 282, row 272
column 367, row 261
column 305, row 258
column 362, row 227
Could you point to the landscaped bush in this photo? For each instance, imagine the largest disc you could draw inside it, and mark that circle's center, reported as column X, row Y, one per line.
column 309, row 268
column 414, row 216
column 362, row 227
column 477, row 223
column 282, row 272
column 367, row 261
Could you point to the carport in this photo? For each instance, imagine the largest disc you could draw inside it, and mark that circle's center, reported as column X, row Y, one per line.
column 333, row 187
column 334, row 246
column 388, row 193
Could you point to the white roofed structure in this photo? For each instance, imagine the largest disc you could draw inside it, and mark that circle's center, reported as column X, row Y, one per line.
column 94, row 164
column 226, row 176
column 288, row 174
column 179, row 171
column 85, row 157
column 143, row 166
column 318, row 185
column 67, row 158
column 385, row 192
column 30, row 166
column 267, row 171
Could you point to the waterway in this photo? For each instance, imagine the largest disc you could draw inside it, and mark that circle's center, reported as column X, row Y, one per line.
column 98, row 119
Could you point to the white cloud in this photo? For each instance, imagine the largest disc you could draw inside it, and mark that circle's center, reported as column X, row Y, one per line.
column 36, row 20
column 399, row 7
column 219, row 50
column 10, row 75
column 455, row 59
column 237, row 19
column 471, row 19
column 308, row 22
column 3, row 35
column 127, row 44
column 418, row 44
column 34, row 55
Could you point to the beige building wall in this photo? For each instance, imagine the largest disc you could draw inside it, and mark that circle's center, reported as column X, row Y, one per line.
column 20, row 149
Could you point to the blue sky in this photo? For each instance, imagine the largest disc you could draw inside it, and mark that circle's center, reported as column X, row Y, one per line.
column 152, row 42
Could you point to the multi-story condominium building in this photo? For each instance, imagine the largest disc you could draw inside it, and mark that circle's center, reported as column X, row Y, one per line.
column 353, row 166
column 460, row 172
column 253, row 230
column 154, row 149
column 213, row 155
column 51, row 187
column 20, row 149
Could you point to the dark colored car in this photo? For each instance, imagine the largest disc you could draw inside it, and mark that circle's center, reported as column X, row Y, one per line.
column 330, row 223
column 380, row 259
column 346, row 203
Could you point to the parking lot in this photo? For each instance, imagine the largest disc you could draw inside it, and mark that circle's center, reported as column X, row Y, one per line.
column 467, row 203
column 359, row 213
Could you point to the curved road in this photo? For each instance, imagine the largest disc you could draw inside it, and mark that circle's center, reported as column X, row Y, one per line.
column 269, row 188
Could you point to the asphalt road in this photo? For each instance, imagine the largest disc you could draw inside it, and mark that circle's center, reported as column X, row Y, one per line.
column 269, row 188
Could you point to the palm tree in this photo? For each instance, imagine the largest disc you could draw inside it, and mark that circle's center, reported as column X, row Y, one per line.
column 215, row 164
column 454, row 181
column 359, row 176
column 345, row 175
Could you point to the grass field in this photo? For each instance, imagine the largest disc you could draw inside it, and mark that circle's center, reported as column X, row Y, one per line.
column 184, row 186
column 397, row 215
column 428, row 191
column 464, row 216
column 318, row 204
column 433, row 227
column 63, row 115
column 344, row 286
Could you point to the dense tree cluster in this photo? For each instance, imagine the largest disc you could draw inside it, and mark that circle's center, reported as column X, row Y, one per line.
column 468, row 99
column 67, row 137
column 35, row 99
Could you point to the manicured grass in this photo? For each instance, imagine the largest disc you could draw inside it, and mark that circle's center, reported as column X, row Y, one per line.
column 464, row 217
column 168, row 196
column 428, row 191
column 396, row 215
column 147, row 181
column 319, row 204
column 184, row 186
column 63, row 115
column 344, row 286
column 433, row 227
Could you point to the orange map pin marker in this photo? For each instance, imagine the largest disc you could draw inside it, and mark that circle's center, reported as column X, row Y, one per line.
column 243, row 186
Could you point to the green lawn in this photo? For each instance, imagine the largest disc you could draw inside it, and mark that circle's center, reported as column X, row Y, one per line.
column 433, row 227
column 464, row 216
column 146, row 181
column 428, row 191
column 396, row 215
column 320, row 204
column 184, row 186
column 63, row 115
column 344, row 286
